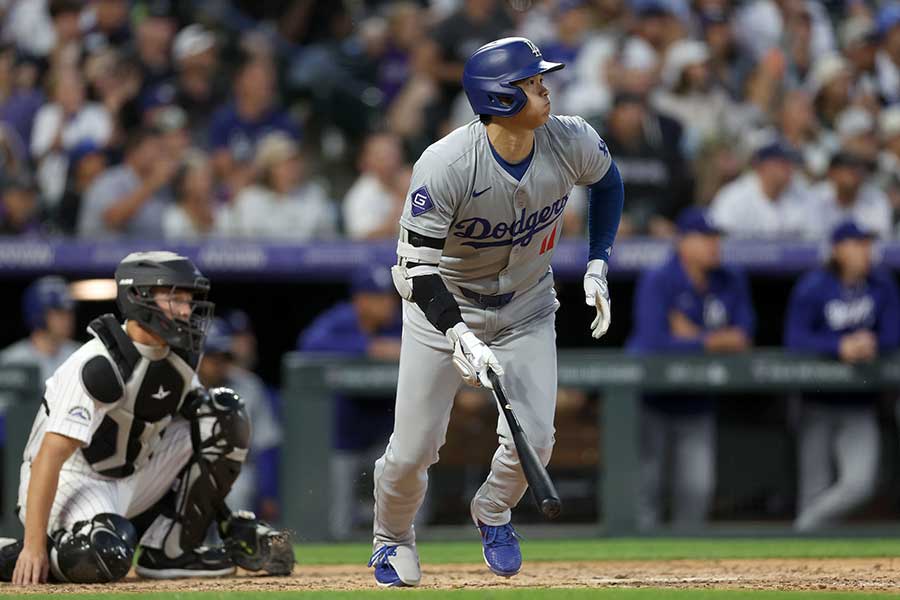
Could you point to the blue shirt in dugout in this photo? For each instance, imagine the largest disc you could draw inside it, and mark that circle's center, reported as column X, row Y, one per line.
column 667, row 289
column 822, row 310
column 358, row 422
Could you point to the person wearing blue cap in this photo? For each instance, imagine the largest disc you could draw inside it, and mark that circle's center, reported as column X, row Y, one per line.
column 690, row 304
column 848, row 310
column 766, row 201
column 48, row 313
column 369, row 324
column 256, row 488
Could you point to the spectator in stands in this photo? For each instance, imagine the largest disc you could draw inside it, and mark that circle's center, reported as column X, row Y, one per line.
column 648, row 151
column 48, row 312
column 766, row 201
column 859, row 40
column 450, row 44
column 87, row 161
column 887, row 60
column 371, row 208
column 129, row 199
column 284, row 204
column 847, row 195
column 60, row 125
column 115, row 80
column 762, row 25
column 238, row 126
column 797, row 124
column 20, row 96
column 110, row 25
column 855, row 129
column 848, row 310
column 20, row 207
column 368, row 325
column 888, row 175
column 728, row 67
column 831, row 83
column 256, row 488
column 175, row 137
column 198, row 82
column 194, row 214
column 153, row 43
column 689, row 96
column 688, row 305
column 65, row 16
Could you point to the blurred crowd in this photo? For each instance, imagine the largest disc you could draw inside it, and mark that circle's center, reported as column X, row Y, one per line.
column 298, row 120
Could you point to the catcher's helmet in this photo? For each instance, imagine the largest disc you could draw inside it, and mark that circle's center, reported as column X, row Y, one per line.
column 490, row 72
column 140, row 272
column 42, row 295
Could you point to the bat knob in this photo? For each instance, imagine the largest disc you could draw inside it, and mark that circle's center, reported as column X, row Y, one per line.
column 551, row 507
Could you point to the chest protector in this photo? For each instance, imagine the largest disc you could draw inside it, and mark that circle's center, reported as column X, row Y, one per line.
column 146, row 395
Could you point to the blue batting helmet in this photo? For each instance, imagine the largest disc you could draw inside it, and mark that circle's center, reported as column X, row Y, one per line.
column 42, row 295
column 490, row 72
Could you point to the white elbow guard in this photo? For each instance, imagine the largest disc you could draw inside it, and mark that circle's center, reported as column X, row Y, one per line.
column 402, row 281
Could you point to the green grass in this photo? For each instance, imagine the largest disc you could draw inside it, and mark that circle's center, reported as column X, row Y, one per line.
column 619, row 549
column 481, row 594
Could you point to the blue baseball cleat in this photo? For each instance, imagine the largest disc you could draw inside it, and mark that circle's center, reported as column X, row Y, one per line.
column 501, row 549
column 396, row 566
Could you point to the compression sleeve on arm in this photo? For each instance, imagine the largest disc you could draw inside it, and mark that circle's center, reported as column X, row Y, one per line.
column 430, row 292
column 605, row 200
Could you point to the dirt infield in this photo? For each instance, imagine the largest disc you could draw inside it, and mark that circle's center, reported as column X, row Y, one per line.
column 775, row 574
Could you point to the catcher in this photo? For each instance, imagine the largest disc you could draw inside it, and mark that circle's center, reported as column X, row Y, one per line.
column 129, row 450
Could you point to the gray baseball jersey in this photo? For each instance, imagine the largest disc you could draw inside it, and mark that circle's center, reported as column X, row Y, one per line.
column 500, row 232
column 24, row 352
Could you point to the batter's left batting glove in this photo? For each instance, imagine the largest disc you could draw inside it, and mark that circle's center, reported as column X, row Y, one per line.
column 472, row 357
column 596, row 293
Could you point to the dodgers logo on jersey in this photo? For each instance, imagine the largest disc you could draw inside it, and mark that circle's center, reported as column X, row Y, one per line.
column 420, row 201
column 481, row 233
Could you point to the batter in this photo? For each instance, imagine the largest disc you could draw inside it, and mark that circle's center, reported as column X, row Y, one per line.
column 478, row 229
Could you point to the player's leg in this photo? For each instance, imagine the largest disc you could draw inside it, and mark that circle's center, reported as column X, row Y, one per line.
column 215, row 443
column 815, row 460
column 857, row 444
column 425, row 390
column 654, row 427
column 89, row 541
column 694, row 469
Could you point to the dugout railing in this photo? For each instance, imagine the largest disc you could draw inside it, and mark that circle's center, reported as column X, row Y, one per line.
column 20, row 398
column 311, row 382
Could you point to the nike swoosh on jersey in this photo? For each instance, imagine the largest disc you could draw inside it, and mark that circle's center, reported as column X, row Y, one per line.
column 476, row 194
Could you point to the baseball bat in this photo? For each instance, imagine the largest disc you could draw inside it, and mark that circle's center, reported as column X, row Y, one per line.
column 545, row 494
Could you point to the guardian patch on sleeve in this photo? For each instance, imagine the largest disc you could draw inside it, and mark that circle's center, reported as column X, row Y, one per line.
column 420, row 201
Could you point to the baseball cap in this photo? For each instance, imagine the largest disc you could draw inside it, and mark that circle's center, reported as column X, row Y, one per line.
column 192, row 40
column 776, row 150
column 82, row 149
column 849, row 230
column 696, row 220
column 850, row 159
column 218, row 337
column 370, row 279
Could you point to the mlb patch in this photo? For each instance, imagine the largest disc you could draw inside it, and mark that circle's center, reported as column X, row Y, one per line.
column 420, row 201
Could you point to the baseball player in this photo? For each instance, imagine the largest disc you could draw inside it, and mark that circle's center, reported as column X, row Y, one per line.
column 690, row 304
column 477, row 234
column 127, row 446
column 849, row 310
column 47, row 308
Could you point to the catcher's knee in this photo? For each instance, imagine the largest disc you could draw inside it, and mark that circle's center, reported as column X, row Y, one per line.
column 95, row 551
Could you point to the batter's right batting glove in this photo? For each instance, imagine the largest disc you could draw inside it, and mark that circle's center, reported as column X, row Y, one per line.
column 596, row 293
column 471, row 356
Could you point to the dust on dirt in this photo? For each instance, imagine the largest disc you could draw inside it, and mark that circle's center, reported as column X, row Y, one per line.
column 871, row 574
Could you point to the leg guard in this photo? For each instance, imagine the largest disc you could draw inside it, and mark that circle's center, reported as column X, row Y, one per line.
column 95, row 551
column 220, row 434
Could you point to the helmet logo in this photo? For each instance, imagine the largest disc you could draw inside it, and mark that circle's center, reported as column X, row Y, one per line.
column 534, row 49
column 126, row 281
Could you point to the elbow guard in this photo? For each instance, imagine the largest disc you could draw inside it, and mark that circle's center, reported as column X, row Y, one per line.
column 440, row 307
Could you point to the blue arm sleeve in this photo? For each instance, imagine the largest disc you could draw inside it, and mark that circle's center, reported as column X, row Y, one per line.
column 605, row 201
column 888, row 324
column 801, row 334
column 652, row 330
